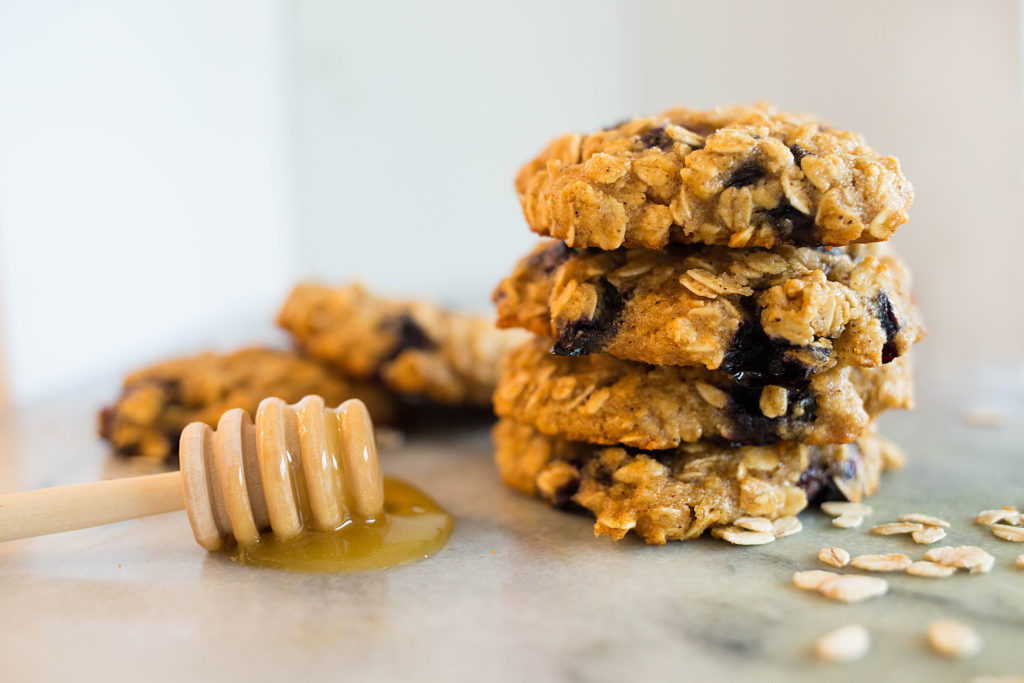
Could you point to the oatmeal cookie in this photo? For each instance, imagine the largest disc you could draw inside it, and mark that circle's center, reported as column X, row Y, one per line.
column 606, row 400
column 799, row 310
column 741, row 177
column 413, row 348
column 676, row 494
column 159, row 401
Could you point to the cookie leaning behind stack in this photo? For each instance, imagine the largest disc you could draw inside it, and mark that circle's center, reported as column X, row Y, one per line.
column 714, row 335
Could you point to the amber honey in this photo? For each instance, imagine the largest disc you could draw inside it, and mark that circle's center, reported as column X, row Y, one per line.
column 412, row 527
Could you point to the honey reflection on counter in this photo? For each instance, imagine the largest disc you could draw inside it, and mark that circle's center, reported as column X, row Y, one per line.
column 413, row 527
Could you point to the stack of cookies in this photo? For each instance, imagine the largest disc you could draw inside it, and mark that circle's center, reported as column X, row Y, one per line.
column 716, row 322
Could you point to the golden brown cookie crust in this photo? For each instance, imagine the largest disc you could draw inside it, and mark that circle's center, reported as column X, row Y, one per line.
column 677, row 494
column 606, row 400
column 157, row 402
column 714, row 306
column 414, row 348
column 741, row 177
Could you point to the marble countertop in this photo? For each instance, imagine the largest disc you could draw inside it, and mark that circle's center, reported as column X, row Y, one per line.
column 520, row 592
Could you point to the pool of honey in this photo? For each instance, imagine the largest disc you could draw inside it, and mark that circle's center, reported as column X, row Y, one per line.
column 413, row 527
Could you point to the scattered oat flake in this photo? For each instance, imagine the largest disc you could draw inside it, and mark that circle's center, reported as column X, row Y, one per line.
column 1020, row 561
column 920, row 518
column 848, row 521
column 891, row 562
column 842, row 507
column 845, row 644
column 930, row 569
column 990, row 517
column 742, row 537
column 787, row 526
column 812, row 579
column 1008, row 533
column 929, row 534
column 968, row 557
column 953, row 639
column 837, row 557
column 896, row 528
column 762, row 524
column 852, row 588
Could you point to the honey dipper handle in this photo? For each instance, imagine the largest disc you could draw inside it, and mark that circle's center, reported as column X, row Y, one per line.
column 64, row 508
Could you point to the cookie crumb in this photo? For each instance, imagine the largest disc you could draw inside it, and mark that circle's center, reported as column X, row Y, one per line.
column 896, row 528
column 930, row 569
column 812, row 579
column 920, row 518
column 844, row 644
column 929, row 534
column 837, row 557
column 1020, row 561
column 967, row 557
column 891, row 562
column 847, row 521
column 787, row 526
column 953, row 639
column 837, row 508
column 1008, row 533
column 852, row 588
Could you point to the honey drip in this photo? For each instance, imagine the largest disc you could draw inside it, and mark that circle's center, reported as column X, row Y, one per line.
column 412, row 527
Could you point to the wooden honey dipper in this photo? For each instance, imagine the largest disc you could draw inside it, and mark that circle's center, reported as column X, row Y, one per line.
column 297, row 466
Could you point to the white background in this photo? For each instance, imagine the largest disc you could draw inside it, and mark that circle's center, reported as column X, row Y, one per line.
column 168, row 169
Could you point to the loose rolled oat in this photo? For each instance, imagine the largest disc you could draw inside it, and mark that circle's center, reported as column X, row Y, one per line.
column 1020, row 561
column 837, row 557
column 929, row 534
column 930, row 569
column 847, row 521
column 742, row 537
column 967, row 557
column 852, row 589
column 786, row 526
column 1008, row 515
column 761, row 524
column 896, row 528
column 953, row 639
column 891, row 562
column 812, row 579
column 1008, row 533
column 920, row 518
column 845, row 644
column 837, row 508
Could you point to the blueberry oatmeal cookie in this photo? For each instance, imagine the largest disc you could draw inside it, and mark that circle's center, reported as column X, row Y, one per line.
column 676, row 494
column 740, row 177
column 159, row 401
column 741, row 310
column 413, row 348
column 606, row 400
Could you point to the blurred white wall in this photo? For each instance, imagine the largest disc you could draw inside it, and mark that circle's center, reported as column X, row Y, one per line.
column 169, row 168
column 145, row 180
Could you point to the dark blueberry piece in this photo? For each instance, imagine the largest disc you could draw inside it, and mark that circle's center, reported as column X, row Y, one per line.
column 819, row 481
column 588, row 335
column 890, row 325
column 747, row 173
column 551, row 258
column 657, row 137
column 795, row 226
column 755, row 359
column 408, row 335
column 749, row 424
column 562, row 496
column 798, row 153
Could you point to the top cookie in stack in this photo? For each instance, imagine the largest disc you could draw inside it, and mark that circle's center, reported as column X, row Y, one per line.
column 711, row 303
